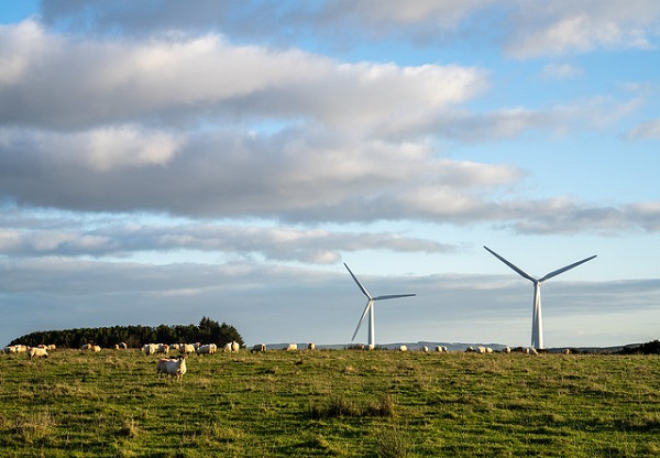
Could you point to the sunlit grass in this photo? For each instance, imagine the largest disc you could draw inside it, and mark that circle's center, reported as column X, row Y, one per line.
column 331, row 403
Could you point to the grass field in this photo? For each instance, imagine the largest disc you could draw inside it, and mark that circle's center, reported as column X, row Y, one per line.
column 330, row 403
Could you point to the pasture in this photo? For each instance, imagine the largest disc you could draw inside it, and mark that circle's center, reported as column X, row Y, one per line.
column 330, row 403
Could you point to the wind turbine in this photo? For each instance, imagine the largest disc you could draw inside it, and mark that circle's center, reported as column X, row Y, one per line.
column 370, row 309
column 537, row 325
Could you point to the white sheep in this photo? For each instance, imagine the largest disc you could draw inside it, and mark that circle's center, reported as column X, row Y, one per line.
column 184, row 349
column 207, row 349
column 292, row 347
column 403, row 348
column 227, row 347
column 36, row 352
column 311, row 346
column 175, row 367
column 149, row 349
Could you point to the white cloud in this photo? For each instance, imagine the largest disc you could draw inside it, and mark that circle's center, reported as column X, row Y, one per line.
column 649, row 130
column 566, row 27
column 560, row 71
column 196, row 79
column 551, row 28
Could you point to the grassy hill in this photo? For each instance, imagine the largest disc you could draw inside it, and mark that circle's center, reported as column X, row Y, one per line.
column 330, row 403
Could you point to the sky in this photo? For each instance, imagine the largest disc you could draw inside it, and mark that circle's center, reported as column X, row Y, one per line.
column 161, row 161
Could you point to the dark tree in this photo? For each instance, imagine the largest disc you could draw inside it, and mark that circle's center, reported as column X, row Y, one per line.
column 208, row 331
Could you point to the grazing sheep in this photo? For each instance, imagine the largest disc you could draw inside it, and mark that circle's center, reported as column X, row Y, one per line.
column 36, row 352
column 403, row 348
column 207, row 349
column 425, row 349
column 162, row 348
column 489, row 350
column 311, row 346
column 15, row 349
column 96, row 348
column 184, row 349
column 149, row 349
column 567, row 351
column 292, row 347
column 258, row 348
column 175, row 367
column 235, row 347
column 227, row 347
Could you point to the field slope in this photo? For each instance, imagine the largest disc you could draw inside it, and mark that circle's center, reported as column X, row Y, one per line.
column 330, row 403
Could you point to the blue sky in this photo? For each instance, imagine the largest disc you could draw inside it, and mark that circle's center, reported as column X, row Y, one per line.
column 161, row 161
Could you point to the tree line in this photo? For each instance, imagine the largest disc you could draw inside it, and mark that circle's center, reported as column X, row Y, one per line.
column 208, row 331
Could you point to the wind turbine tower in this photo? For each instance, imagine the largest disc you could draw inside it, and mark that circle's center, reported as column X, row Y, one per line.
column 369, row 309
column 537, row 324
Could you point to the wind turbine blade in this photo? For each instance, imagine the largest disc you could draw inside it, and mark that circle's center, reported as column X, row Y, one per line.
column 362, row 288
column 392, row 296
column 370, row 304
column 564, row 269
column 513, row 266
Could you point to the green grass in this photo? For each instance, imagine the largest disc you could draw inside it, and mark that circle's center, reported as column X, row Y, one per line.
column 330, row 403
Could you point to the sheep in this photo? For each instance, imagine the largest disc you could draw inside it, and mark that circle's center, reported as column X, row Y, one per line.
column 566, row 351
column 175, row 367
column 470, row 350
column 258, row 348
column 15, row 349
column 184, row 349
column 424, row 348
column 96, row 348
column 227, row 347
column 36, row 352
column 403, row 348
column 311, row 346
column 207, row 349
column 149, row 349
column 292, row 347
column 235, row 346
column 162, row 348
